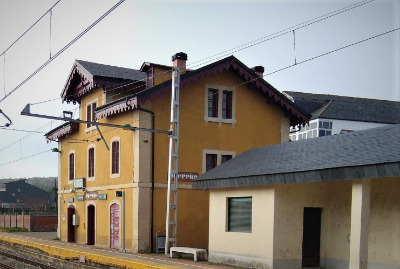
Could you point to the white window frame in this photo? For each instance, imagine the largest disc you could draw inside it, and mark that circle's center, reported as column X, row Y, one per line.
column 94, row 162
column 117, row 138
column 69, row 153
column 219, row 154
column 90, row 103
column 220, row 89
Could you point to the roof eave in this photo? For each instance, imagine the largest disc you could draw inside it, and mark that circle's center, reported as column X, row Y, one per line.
column 378, row 170
column 77, row 69
column 296, row 114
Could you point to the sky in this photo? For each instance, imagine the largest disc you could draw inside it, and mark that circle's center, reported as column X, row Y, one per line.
column 154, row 30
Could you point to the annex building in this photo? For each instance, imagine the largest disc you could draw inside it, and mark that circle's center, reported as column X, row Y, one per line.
column 328, row 202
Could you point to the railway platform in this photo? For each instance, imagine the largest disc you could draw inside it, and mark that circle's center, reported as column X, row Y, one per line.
column 110, row 257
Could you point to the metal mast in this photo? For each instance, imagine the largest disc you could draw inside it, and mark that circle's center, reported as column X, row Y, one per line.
column 172, row 191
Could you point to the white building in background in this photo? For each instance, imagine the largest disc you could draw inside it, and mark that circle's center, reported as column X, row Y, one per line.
column 333, row 114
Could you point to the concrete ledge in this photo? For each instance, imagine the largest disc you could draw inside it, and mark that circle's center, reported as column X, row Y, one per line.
column 198, row 253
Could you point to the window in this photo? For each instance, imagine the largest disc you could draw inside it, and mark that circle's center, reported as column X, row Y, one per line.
column 220, row 104
column 213, row 158
column 213, row 103
column 239, row 215
column 115, row 157
column 304, row 132
column 227, row 105
column 325, row 128
column 211, row 161
column 90, row 115
column 225, row 158
column 71, row 166
column 91, row 163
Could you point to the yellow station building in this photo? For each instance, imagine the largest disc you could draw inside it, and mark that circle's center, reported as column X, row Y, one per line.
column 225, row 109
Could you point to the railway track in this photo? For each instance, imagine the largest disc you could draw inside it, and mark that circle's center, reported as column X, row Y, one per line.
column 11, row 260
column 15, row 257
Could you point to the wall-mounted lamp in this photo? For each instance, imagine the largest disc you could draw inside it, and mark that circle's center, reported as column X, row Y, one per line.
column 55, row 150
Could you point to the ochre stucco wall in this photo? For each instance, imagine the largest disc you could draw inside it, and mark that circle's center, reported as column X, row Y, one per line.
column 257, row 123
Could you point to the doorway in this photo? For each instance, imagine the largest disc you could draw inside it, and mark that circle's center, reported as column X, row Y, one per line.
column 311, row 237
column 114, row 226
column 71, row 227
column 90, row 225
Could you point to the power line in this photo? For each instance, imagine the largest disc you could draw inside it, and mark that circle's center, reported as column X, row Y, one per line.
column 263, row 39
column 364, row 2
column 247, row 45
column 26, row 157
column 281, row 32
column 44, row 14
column 332, row 51
column 41, row 127
column 276, row 71
column 63, row 49
column 19, row 130
column 287, row 67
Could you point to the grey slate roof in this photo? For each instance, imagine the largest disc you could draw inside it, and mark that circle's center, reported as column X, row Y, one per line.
column 371, row 153
column 347, row 108
column 109, row 71
column 297, row 114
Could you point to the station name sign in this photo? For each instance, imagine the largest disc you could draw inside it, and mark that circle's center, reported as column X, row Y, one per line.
column 187, row 176
column 91, row 195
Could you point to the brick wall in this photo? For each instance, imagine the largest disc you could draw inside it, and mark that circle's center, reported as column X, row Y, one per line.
column 30, row 222
column 44, row 223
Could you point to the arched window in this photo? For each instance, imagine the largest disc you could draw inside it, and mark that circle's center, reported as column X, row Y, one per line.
column 115, row 157
column 71, row 166
column 91, row 162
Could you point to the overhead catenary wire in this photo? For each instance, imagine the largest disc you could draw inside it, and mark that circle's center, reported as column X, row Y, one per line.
column 51, row 15
column 62, row 50
column 276, row 71
column 280, row 33
column 290, row 66
column 262, row 39
column 20, row 130
column 332, row 51
column 120, row 86
column 26, row 157
column 30, row 27
column 39, row 128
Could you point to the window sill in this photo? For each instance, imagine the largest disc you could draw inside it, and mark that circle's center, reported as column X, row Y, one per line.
column 220, row 120
column 90, row 178
column 115, row 175
column 92, row 128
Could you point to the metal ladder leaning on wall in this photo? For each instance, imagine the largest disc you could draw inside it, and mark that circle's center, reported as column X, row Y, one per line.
column 172, row 191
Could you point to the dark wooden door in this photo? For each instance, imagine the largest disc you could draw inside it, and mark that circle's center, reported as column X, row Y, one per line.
column 91, row 226
column 71, row 228
column 311, row 236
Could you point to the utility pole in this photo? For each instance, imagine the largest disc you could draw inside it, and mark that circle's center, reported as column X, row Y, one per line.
column 172, row 191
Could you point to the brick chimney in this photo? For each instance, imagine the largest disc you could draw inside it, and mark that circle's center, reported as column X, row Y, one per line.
column 179, row 60
column 259, row 69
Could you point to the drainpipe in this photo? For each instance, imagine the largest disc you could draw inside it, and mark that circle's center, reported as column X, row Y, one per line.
column 152, row 176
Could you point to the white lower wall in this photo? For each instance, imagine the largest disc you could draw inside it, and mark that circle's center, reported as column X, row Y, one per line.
column 276, row 237
column 237, row 247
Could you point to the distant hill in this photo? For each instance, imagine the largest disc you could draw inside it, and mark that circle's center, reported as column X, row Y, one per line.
column 44, row 183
